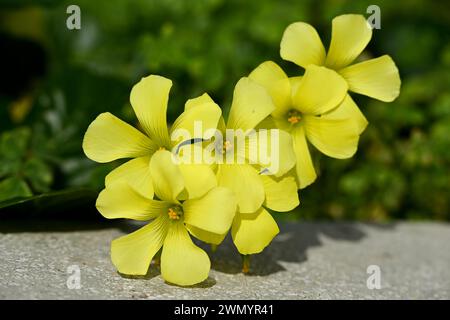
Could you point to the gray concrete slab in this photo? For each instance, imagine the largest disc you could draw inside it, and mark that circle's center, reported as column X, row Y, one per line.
column 306, row 261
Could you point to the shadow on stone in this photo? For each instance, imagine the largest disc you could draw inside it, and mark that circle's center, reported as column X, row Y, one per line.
column 208, row 283
column 152, row 272
column 291, row 245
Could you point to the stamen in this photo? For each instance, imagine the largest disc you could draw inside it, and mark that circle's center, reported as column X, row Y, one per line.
column 226, row 146
column 174, row 214
column 293, row 117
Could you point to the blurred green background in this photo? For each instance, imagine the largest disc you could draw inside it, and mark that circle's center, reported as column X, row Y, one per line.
column 55, row 81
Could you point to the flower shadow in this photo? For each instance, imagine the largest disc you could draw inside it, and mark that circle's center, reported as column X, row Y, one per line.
column 151, row 273
column 208, row 283
column 290, row 246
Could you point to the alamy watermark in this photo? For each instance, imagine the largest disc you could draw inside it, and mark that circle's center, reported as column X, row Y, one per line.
column 74, row 277
column 374, row 20
column 231, row 147
column 374, row 278
column 73, row 21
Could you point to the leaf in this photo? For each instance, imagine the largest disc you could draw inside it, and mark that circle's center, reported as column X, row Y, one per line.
column 70, row 203
column 13, row 188
column 39, row 174
column 13, row 147
column 14, row 143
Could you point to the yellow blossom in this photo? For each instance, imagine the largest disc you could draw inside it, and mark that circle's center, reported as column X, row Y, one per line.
column 182, row 262
column 312, row 108
column 108, row 138
column 377, row 78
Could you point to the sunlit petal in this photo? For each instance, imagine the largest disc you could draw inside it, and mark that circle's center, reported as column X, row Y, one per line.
column 302, row 45
column 108, row 138
column 120, row 201
column 350, row 35
column 136, row 173
column 132, row 254
column 377, row 78
column 251, row 104
column 319, row 91
column 149, row 98
column 182, row 262
column 306, row 174
column 166, row 174
column 253, row 232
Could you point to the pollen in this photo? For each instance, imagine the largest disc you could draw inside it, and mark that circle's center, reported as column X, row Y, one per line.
column 227, row 146
column 293, row 117
column 174, row 213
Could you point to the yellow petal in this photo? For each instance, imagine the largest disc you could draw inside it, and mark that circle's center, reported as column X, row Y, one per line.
column 302, row 45
column 349, row 109
column 350, row 35
column 319, row 91
column 108, row 138
column 120, row 201
column 281, row 193
column 167, row 178
column 182, row 262
column 377, row 78
column 198, row 101
column 136, row 173
column 206, row 236
column 198, row 179
column 149, row 98
column 253, row 232
column 132, row 254
column 246, row 184
column 269, row 75
column 295, row 83
column 337, row 138
column 271, row 149
column 197, row 123
column 251, row 104
column 306, row 174
column 214, row 212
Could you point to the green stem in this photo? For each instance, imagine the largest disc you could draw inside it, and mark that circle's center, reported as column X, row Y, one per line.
column 245, row 263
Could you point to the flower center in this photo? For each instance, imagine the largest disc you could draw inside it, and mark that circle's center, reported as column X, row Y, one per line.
column 227, row 145
column 293, row 117
column 175, row 213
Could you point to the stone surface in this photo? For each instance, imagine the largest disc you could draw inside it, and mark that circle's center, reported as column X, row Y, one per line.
column 306, row 261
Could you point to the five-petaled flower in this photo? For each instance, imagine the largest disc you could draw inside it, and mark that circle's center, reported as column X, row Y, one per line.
column 377, row 78
column 314, row 107
column 182, row 262
column 108, row 138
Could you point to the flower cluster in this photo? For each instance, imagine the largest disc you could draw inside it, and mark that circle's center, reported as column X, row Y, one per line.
column 204, row 199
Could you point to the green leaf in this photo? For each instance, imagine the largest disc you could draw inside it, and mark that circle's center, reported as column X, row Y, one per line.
column 13, row 147
column 69, row 203
column 14, row 143
column 39, row 174
column 13, row 188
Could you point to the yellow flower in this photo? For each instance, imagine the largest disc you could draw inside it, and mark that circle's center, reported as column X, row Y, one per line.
column 314, row 107
column 108, row 138
column 377, row 78
column 182, row 262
